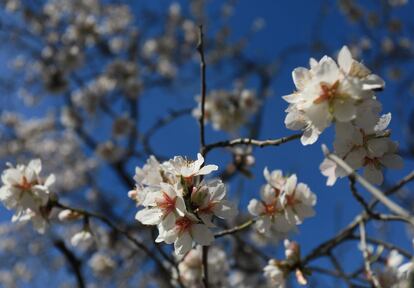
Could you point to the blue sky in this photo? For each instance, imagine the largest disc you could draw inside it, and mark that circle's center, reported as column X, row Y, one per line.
column 287, row 23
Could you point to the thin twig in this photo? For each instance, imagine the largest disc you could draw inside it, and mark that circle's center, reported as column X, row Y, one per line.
column 234, row 229
column 361, row 200
column 200, row 49
column 254, row 142
column 365, row 253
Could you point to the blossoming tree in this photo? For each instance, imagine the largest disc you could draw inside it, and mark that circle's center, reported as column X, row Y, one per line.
column 93, row 199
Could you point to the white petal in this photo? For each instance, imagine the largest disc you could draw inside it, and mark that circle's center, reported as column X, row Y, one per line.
column 356, row 158
column 268, row 194
column 207, row 169
column 169, row 221
column 383, row 122
column 218, row 192
column 290, row 185
column 373, row 82
column 377, row 147
column 345, row 59
column 294, row 121
column 309, row 136
column 206, row 218
column 304, row 211
column 180, row 207
column 292, row 98
column 327, row 168
column 255, row 207
column 282, row 224
column 50, row 180
column 344, row 111
column 200, row 160
column 373, row 174
column 35, row 165
column 393, row 161
column 263, row 224
column 225, row 210
column 183, row 244
column 300, row 77
column 319, row 115
column 149, row 216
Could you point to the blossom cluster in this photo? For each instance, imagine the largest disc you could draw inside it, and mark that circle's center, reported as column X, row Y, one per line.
column 25, row 191
column 191, row 270
column 343, row 93
column 284, row 204
column 394, row 273
column 180, row 205
column 228, row 110
column 276, row 271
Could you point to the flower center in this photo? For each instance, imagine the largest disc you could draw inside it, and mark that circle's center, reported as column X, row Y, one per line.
column 328, row 92
column 183, row 224
column 372, row 161
column 270, row 209
column 208, row 208
column 167, row 204
column 291, row 200
column 26, row 185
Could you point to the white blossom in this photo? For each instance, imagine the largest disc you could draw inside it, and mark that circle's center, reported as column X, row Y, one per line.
column 298, row 200
column 328, row 92
column 186, row 230
column 189, row 169
column 228, row 110
column 101, row 264
column 208, row 198
column 26, row 192
column 82, row 237
column 191, row 268
column 284, row 203
column 370, row 149
column 274, row 274
column 162, row 207
column 395, row 274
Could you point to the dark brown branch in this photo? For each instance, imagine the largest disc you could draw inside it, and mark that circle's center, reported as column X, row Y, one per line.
column 254, row 142
column 74, row 263
column 200, row 49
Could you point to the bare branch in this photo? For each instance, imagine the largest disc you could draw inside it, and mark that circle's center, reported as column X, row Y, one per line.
column 248, row 141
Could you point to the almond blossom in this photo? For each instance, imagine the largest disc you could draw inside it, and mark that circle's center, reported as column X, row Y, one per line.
column 25, row 191
column 274, row 275
column 82, row 237
column 270, row 212
column 328, row 92
column 395, row 274
column 371, row 149
column 186, row 230
column 162, row 207
column 190, row 268
column 284, row 203
column 189, row 169
column 208, row 198
column 228, row 110
column 277, row 271
column 298, row 200
column 147, row 176
column 182, row 207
